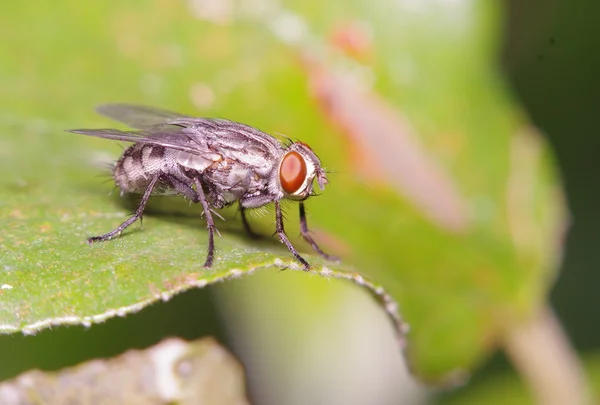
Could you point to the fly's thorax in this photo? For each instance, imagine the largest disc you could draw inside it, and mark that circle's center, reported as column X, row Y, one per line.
column 232, row 173
column 297, row 170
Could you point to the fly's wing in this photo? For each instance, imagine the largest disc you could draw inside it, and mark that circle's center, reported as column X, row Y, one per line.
column 138, row 116
column 169, row 136
column 156, row 126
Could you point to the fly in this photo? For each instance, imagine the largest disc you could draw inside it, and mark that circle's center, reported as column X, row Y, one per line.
column 214, row 162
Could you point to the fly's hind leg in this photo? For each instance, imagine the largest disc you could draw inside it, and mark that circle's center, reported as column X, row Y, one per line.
column 306, row 235
column 137, row 215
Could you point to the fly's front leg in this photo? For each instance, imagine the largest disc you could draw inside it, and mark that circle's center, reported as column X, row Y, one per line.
column 306, row 235
column 137, row 215
column 283, row 237
column 210, row 224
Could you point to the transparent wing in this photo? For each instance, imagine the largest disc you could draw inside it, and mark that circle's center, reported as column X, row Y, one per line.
column 138, row 116
column 170, row 137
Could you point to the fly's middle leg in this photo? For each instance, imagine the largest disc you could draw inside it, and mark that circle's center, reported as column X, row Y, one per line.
column 210, row 224
column 137, row 215
column 283, row 237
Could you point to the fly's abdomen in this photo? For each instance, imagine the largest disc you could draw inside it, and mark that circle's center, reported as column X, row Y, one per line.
column 139, row 164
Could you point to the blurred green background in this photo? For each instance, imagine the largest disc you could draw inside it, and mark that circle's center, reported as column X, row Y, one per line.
column 305, row 339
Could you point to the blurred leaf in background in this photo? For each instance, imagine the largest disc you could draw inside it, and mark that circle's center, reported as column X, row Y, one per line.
column 173, row 371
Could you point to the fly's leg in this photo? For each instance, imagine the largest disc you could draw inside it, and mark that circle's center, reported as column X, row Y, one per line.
column 283, row 237
column 306, row 235
column 247, row 227
column 210, row 224
column 137, row 215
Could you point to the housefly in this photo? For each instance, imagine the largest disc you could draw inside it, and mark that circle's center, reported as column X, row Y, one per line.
column 214, row 162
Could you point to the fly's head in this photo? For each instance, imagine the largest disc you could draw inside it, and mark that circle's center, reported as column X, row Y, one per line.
column 297, row 170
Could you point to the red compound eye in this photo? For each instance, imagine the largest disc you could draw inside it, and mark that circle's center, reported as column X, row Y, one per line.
column 292, row 172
